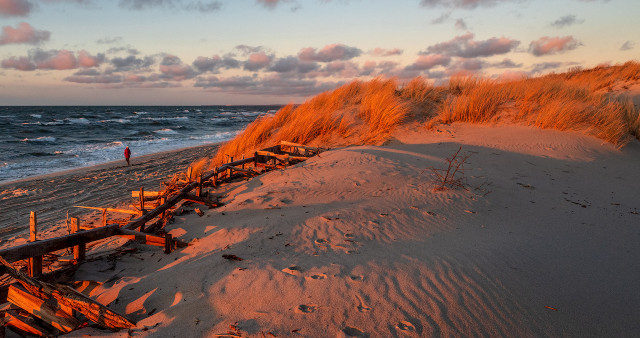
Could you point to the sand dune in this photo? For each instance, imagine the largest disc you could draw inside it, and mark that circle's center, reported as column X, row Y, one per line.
column 355, row 242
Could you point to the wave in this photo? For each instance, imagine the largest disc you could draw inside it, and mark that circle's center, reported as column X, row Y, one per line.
column 177, row 118
column 80, row 120
column 38, row 116
column 165, row 131
column 123, row 121
column 40, row 139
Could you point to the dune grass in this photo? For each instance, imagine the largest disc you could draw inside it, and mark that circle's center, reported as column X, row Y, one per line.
column 356, row 113
column 368, row 112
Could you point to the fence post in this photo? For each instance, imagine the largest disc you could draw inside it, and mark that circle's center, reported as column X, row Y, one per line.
column 79, row 251
column 229, row 172
column 35, row 263
column 199, row 190
column 168, row 243
column 104, row 217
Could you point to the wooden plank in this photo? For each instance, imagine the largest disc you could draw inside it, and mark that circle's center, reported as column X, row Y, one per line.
column 21, row 324
column 124, row 211
column 147, row 194
column 142, row 237
column 68, row 296
column 38, row 307
column 44, row 246
column 281, row 158
column 201, row 200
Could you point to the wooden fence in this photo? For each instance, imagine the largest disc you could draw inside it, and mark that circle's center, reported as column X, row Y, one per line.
column 34, row 296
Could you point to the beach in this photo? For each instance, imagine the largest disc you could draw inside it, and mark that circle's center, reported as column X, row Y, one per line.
column 541, row 241
column 104, row 185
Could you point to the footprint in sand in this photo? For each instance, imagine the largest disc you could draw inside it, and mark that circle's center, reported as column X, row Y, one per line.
column 406, row 326
column 357, row 278
column 353, row 332
column 362, row 307
column 322, row 241
column 317, row 276
column 293, row 270
column 306, row 308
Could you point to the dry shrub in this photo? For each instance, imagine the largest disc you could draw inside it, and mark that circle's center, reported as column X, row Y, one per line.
column 356, row 113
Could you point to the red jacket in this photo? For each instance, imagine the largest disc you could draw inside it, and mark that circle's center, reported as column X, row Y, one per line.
column 127, row 152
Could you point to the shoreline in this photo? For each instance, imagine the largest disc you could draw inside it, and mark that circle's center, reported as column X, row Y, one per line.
column 105, row 165
column 104, row 185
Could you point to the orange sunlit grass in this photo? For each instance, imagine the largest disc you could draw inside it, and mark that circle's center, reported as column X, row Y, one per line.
column 367, row 112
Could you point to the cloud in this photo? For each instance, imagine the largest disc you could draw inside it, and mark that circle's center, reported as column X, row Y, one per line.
column 213, row 64
column 199, row 6
column 566, row 20
column 132, row 62
column 553, row 45
column 425, row 62
column 464, row 46
column 627, row 45
column 506, row 63
column 173, row 69
column 469, row 4
column 108, row 40
column 23, row 33
column 544, row 66
column 257, row 61
column 270, row 86
column 9, row 8
column 271, row 4
column 460, row 24
column 100, row 78
column 386, row 52
column 328, row 53
column 20, row 63
column 246, row 50
column 442, row 18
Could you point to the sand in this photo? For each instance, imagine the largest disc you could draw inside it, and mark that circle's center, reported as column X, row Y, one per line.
column 355, row 243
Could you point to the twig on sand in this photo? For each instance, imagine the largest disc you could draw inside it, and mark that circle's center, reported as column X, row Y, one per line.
column 451, row 177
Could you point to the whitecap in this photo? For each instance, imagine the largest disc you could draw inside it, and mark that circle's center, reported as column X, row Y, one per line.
column 36, row 115
column 41, row 139
column 165, row 131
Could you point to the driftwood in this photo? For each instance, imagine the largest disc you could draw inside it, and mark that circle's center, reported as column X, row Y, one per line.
column 71, row 298
column 24, row 325
column 150, row 239
column 148, row 195
column 201, row 200
column 48, row 311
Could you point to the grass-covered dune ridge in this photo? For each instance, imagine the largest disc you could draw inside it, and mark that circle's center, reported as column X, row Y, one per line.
column 590, row 101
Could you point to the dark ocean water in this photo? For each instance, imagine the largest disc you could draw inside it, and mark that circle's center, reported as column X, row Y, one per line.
column 43, row 140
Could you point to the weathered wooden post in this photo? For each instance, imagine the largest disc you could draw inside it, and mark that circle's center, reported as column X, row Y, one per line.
column 168, row 243
column 255, row 159
column 199, row 189
column 80, row 250
column 229, row 171
column 162, row 200
column 104, row 217
column 189, row 171
column 35, row 263
column 243, row 162
column 141, row 199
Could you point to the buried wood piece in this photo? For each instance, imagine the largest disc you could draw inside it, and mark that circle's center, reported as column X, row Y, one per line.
column 145, row 238
column 40, row 308
column 148, row 195
column 201, row 200
column 35, row 262
column 168, row 244
column 124, row 211
column 199, row 212
column 68, row 296
column 24, row 325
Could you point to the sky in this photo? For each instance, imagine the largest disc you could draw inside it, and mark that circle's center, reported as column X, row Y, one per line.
column 206, row 52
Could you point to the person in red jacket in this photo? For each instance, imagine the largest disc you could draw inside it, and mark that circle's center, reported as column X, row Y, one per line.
column 127, row 154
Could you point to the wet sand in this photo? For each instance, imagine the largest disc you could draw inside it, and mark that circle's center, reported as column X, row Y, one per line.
column 105, row 185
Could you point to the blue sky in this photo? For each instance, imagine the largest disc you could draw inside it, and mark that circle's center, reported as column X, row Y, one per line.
column 200, row 52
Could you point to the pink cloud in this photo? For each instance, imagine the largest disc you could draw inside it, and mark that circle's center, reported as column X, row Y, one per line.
column 15, row 7
column 63, row 60
column 23, row 33
column 21, row 63
column 86, row 60
column 465, row 46
column 328, row 53
column 386, row 52
column 268, row 3
column 173, row 69
column 257, row 61
column 425, row 62
column 553, row 45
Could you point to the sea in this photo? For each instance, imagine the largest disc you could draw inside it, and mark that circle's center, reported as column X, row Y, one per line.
column 48, row 139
